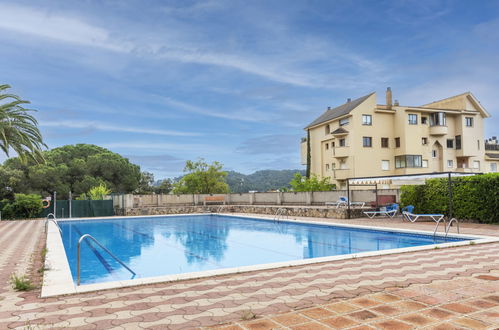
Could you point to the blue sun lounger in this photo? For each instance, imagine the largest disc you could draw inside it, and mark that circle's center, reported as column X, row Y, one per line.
column 390, row 211
column 343, row 201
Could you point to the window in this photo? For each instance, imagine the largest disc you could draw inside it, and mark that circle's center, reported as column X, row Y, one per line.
column 385, row 165
column 408, row 161
column 434, row 153
column 343, row 165
column 367, row 141
column 384, row 142
column 469, row 121
column 367, row 120
column 327, row 167
column 327, row 129
column 476, row 164
column 413, row 119
column 327, row 146
column 332, row 144
column 424, row 120
column 333, row 165
column 450, row 143
column 458, row 142
column 450, row 163
column 424, row 141
column 342, row 143
column 397, row 142
column 493, row 167
column 437, row 119
column 425, row 163
column 344, row 122
column 478, row 144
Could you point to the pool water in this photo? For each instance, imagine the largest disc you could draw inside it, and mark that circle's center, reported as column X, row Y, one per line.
column 155, row 246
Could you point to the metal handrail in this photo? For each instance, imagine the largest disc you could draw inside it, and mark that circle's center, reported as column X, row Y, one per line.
column 104, row 248
column 54, row 220
column 450, row 224
column 280, row 211
column 220, row 208
column 436, row 226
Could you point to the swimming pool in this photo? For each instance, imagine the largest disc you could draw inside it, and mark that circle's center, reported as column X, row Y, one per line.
column 158, row 246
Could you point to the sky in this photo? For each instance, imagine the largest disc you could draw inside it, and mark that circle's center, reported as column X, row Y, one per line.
column 161, row 82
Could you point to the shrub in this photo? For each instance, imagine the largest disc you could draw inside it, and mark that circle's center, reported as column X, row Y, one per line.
column 98, row 192
column 24, row 206
column 473, row 197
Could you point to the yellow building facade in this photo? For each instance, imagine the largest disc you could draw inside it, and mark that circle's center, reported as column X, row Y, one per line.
column 363, row 138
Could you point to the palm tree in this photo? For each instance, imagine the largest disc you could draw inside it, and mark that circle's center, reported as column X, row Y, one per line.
column 18, row 128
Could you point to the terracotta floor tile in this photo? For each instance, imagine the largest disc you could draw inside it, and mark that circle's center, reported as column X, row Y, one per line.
column 310, row 326
column 364, row 302
column 290, row 319
column 429, row 300
column 362, row 327
column 459, row 308
column 417, row 319
column 260, row 324
column 488, row 316
column 409, row 306
column 392, row 325
column 386, row 310
column 339, row 322
column 385, row 297
column 471, row 323
column 341, row 307
column 438, row 313
column 488, row 278
column 482, row 304
column 446, row 326
column 364, row 315
column 317, row 313
column 492, row 298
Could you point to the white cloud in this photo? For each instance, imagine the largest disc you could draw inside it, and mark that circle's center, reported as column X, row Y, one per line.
column 91, row 125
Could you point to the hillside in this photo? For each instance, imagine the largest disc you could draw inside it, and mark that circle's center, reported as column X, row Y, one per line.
column 264, row 180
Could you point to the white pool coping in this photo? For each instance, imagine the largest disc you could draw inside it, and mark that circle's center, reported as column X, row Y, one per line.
column 57, row 279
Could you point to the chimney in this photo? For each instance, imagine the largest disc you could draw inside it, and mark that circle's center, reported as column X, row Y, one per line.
column 396, row 103
column 388, row 97
column 349, row 100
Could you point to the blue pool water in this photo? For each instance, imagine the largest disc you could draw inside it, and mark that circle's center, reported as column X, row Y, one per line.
column 158, row 246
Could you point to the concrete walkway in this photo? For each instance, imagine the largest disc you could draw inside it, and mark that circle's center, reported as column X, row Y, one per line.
column 444, row 289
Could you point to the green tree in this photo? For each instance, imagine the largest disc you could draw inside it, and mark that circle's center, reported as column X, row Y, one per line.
column 99, row 192
column 202, row 178
column 146, row 183
column 165, row 187
column 18, row 128
column 300, row 183
column 75, row 168
column 24, row 206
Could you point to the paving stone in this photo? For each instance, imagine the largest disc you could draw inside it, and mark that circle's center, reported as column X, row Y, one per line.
column 317, row 313
column 341, row 307
column 310, row 326
column 471, row 323
column 364, row 302
column 290, row 319
column 459, row 308
column 417, row 319
column 386, row 310
column 364, row 315
column 438, row 313
column 393, row 325
column 339, row 322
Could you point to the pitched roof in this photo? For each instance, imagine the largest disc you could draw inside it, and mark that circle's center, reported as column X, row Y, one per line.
column 339, row 111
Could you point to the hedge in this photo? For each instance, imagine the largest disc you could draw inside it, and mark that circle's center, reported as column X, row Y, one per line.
column 474, row 197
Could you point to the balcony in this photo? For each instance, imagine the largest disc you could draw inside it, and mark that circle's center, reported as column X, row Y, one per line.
column 339, row 152
column 438, row 130
column 342, row 174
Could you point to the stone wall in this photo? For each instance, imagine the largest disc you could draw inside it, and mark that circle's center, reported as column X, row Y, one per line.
column 305, row 211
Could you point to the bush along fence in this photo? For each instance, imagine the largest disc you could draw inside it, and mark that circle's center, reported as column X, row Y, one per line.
column 30, row 206
column 473, row 197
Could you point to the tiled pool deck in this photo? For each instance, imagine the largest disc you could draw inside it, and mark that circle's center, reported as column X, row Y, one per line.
column 452, row 288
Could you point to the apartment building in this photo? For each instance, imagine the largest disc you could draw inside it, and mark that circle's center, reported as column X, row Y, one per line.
column 492, row 154
column 363, row 138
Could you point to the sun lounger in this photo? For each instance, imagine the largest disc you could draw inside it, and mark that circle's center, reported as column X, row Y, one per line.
column 414, row 217
column 343, row 202
column 390, row 211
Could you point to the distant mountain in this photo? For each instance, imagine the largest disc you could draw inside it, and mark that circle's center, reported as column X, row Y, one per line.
column 264, row 180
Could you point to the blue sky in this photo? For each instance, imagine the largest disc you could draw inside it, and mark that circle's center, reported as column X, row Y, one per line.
column 235, row 81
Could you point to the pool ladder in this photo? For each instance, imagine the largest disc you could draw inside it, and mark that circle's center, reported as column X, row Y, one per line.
column 54, row 220
column 82, row 238
column 280, row 213
column 447, row 227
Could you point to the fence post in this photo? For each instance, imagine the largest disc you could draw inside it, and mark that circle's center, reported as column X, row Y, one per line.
column 309, row 197
column 279, row 198
column 252, row 198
